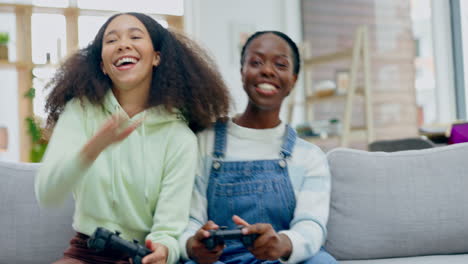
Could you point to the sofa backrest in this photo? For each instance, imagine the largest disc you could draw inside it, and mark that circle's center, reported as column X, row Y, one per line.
column 29, row 234
column 398, row 204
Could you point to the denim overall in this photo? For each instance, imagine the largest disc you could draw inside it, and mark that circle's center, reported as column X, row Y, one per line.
column 258, row 191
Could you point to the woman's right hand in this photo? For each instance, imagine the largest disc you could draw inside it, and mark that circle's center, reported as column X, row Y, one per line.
column 114, row 130
column 197, row 250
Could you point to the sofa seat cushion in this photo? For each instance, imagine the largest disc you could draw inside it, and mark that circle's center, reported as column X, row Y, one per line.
column 442, row 259
column 29, row 234
column 400, row 204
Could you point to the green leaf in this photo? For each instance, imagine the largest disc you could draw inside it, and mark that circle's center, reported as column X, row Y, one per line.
column 34, row 129
column 31, row 93
column 37, row 152
column 4, row 38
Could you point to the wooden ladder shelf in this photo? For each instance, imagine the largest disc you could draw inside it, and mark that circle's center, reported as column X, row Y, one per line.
column 359, row 55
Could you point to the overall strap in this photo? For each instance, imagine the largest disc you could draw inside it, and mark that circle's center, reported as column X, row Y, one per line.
column 288, row 142
column 219, row 146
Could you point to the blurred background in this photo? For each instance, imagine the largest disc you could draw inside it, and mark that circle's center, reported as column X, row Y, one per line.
column 372, row 69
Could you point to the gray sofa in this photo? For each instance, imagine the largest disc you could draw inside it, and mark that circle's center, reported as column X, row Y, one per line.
column 386, row 208
column 28, row 234
column 400, row 207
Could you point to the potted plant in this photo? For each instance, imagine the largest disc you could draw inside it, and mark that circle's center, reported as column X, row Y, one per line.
column 4, row 38
column 39, row 137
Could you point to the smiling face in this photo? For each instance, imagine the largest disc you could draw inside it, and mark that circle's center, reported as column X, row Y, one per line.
column 267, row 72
column 128, row 56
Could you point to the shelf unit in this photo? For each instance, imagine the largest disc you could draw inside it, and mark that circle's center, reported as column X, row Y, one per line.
column 359, row 55
column 24, row 64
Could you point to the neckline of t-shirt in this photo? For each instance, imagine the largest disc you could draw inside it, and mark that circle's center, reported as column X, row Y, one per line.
column 266, row 134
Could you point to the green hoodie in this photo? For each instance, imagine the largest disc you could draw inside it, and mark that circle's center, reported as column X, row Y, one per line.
column 140, row 186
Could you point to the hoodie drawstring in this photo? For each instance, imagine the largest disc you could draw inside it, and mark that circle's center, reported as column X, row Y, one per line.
column 114, row 163
column 144, row 143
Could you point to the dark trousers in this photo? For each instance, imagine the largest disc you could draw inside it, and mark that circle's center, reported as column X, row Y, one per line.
column 79, row 253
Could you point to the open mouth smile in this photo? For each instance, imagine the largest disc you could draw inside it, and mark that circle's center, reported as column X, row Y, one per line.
column 266, row 89
column 125, row 62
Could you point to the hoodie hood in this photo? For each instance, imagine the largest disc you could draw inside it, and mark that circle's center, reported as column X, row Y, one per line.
column 150, row 117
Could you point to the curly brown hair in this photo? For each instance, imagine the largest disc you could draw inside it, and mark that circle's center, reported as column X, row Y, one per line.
column 186, row 79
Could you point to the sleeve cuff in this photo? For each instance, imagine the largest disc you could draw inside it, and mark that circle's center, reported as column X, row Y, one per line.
column 297, row 252
column 188, row 233
column 172, row 246
column 182, row 245
column 290, row 235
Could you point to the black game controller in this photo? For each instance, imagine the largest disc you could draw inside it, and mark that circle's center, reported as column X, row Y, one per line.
column 217, row 237
column 105, row 239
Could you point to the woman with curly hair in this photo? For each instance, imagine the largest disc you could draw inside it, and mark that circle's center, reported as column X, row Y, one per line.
column 124, row 111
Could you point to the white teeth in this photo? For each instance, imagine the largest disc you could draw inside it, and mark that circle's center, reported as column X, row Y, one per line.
column 266, row 87
column 124, row 60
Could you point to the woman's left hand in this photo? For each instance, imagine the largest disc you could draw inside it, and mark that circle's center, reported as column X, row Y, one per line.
column 269, row 245
column 159, row 255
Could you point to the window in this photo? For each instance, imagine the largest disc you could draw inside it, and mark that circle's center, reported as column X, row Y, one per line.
column 464, row 33
column 88, row 27
column 172, row 7
column 48, row 46
column 424, row 82
column 48, row 49
column 50, row 3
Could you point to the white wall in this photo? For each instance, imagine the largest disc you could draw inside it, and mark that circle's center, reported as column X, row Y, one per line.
column 214, row 24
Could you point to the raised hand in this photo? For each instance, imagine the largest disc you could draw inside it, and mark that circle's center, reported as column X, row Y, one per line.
column 116, row 129
column 197, row 250
column 269, row 245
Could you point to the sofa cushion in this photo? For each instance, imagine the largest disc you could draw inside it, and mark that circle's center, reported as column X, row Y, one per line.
column 398, row 204
column 29, row 234
column 441, row 259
